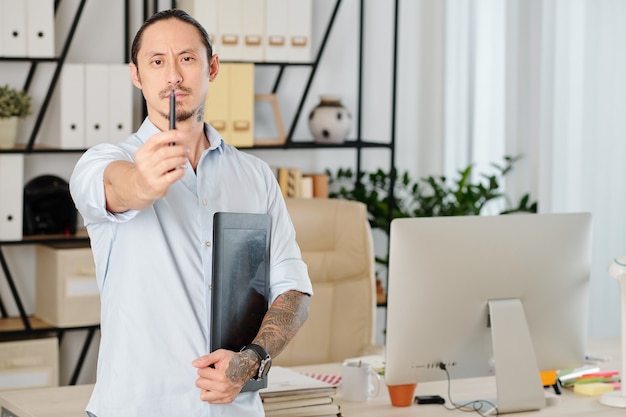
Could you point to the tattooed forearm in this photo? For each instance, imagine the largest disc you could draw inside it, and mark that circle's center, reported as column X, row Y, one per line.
column 242, row 366
column 280, row 324
column 282, row 321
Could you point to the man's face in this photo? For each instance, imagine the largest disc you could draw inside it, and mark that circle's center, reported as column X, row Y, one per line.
column 172, row 58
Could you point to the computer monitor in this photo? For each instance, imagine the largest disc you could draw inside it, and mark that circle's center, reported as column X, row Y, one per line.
column 488, row 295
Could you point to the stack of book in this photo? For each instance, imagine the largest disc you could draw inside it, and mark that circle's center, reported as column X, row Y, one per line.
column 292, row 394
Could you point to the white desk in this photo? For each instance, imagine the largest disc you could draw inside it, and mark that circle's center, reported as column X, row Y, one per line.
column 567, row 404
column 70, row 401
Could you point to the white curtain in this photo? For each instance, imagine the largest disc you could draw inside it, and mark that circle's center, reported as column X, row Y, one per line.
column 542, row 78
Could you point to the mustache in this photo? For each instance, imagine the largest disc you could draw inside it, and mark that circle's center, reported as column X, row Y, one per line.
column 166, row 92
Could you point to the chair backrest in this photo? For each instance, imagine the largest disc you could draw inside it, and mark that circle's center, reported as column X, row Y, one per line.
column 336, row 243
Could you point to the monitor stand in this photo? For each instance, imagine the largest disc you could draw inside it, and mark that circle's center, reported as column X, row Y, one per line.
column 518, row 382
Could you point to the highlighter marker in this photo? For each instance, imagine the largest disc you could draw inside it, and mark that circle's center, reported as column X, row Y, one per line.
column 172, row 114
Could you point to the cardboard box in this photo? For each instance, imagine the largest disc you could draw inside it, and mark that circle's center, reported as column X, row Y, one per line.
column 32, row 363
column 67, row 290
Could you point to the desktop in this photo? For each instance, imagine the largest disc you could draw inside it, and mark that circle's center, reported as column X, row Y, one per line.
column 500, row 295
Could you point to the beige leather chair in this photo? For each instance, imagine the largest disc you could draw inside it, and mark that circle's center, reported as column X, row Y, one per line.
column 336, row 243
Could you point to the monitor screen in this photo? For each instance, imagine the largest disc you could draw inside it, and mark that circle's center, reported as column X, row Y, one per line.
column 488, row 295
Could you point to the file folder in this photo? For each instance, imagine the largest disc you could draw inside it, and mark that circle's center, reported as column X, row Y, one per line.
column 40, row 28
column 241, row 105
column 11, row 196
column 253, row 29
column 276, row 30
column 300, row 15
column 120, row 103
column 230, row 30
column 217, row 112
column 96, row 104
column 13, row 24
column 64, row 124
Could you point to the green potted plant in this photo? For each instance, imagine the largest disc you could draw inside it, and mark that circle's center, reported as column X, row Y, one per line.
column 426, row 197
column 14, row 104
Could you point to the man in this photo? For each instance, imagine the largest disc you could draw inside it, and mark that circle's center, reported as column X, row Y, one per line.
column 148, row 205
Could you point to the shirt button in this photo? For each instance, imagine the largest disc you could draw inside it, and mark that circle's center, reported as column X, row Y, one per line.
column 203, row 202
column 208, row 244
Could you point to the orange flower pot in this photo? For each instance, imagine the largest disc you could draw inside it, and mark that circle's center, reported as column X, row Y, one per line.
column 401, row 395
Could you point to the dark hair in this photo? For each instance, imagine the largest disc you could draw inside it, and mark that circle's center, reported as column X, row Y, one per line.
column 170, row 14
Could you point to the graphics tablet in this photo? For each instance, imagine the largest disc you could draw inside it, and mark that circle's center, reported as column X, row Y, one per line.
column 240, row 295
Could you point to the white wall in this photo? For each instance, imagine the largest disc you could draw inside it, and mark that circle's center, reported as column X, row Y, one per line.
column 421, row 128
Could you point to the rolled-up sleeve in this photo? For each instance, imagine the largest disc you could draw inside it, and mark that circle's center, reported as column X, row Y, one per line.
column 87, row 184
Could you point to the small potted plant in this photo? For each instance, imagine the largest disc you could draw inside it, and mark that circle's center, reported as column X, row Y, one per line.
column 14, row 104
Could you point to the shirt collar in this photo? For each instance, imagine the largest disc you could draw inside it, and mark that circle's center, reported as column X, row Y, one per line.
column 148, row 129
column 216, row 140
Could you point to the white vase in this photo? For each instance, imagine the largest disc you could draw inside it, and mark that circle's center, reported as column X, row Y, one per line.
column 329, row 121
column 8, row 132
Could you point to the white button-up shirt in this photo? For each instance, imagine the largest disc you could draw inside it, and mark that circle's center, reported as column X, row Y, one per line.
column 154, row 273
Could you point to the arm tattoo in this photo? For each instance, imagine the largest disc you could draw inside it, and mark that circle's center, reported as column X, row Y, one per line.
column 282, row 321
column 242, row 366
column 280, row 324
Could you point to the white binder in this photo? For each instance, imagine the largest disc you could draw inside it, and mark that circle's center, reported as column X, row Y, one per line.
column 231, row 31
column 11, row 196
column 120, row 103
column 72, row 106
column 96, row 104
column 276, row 30
column 253, row 27
column 13, row 25
column 300, row 16
column 64, row 125
column 40, row 28
column 1, row 28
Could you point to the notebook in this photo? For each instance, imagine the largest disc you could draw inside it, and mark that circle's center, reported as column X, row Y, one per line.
column 240, row 296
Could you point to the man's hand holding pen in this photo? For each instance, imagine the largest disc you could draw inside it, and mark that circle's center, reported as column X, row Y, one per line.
column 160, row 164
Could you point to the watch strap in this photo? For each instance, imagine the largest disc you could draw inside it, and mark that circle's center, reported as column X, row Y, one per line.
column 264, row 359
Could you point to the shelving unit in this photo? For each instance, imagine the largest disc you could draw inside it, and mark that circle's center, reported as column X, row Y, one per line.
column 359, row 143
column 25, row 325
column 57, row 71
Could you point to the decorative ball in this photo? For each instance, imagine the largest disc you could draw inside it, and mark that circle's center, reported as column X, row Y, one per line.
column 329, row 121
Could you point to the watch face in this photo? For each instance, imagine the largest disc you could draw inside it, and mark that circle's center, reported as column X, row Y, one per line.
column 264, row 368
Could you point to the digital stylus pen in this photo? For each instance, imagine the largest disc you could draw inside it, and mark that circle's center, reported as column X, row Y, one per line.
column 172, row 111
column 172, row 114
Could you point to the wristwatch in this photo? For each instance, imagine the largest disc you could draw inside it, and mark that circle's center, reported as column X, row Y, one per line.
column 265, row 358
